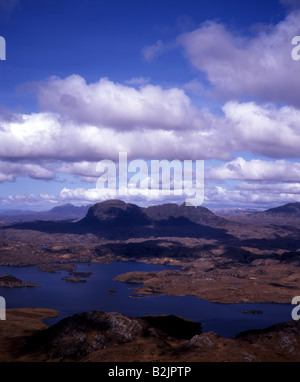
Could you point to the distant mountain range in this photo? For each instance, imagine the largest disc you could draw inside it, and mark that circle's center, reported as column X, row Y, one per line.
column 175, row 219
column 64, row 212
column 286, row 215
column 233, row 210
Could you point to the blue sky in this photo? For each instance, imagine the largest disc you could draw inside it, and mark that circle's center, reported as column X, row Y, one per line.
column 158, row 79
column 105, row 38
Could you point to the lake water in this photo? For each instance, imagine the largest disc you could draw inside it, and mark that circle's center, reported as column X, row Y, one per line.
column 69, row 298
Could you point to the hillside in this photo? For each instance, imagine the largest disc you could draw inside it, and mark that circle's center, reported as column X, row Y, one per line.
column 286, row 215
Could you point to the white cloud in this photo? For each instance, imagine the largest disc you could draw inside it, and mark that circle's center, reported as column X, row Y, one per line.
column 256, row 170
column 185, row 132
column 9, row 171
column 265, row 129
column 265, row 195
column 258, row 66
column 91, row 122
column 83, row 169
column 113, row 105
column 47, row 136
column 22, row 200
column 94, row 195
column 81, row 124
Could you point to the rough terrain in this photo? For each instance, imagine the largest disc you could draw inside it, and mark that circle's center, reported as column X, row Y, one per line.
column 113, row 337
column 219, row 260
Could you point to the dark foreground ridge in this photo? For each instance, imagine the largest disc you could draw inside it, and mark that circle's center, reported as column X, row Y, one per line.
column 94, row 333
column 113, row 337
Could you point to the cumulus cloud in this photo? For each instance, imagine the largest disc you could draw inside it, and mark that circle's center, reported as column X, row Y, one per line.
column 257, row 170
column 81, row 124
column 150, row 123
column 84, row 168
column 46, row 136
column 254, row 195
column 31, row 200
column 9, row 171
column 264, row 129
column 109, row 104
column 94, row 195
column 259, row 65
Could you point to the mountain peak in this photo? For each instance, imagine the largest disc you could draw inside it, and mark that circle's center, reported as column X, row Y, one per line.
column 62, row 207
column 111, row 203
column 115, row 212
column 118, row 213
column 289, row 209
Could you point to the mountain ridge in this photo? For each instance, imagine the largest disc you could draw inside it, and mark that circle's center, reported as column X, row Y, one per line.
column 285, row 215
column 117, row 212
column 63, row 212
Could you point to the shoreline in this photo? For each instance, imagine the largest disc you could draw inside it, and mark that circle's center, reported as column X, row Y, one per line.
column 234, row 286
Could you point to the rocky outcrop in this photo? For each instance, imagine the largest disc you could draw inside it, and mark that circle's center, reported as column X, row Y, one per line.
column 9, row 281
column 205, row 341
column 53, row 268
column 284, row 338
column 278, row 343
column 78, row 336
